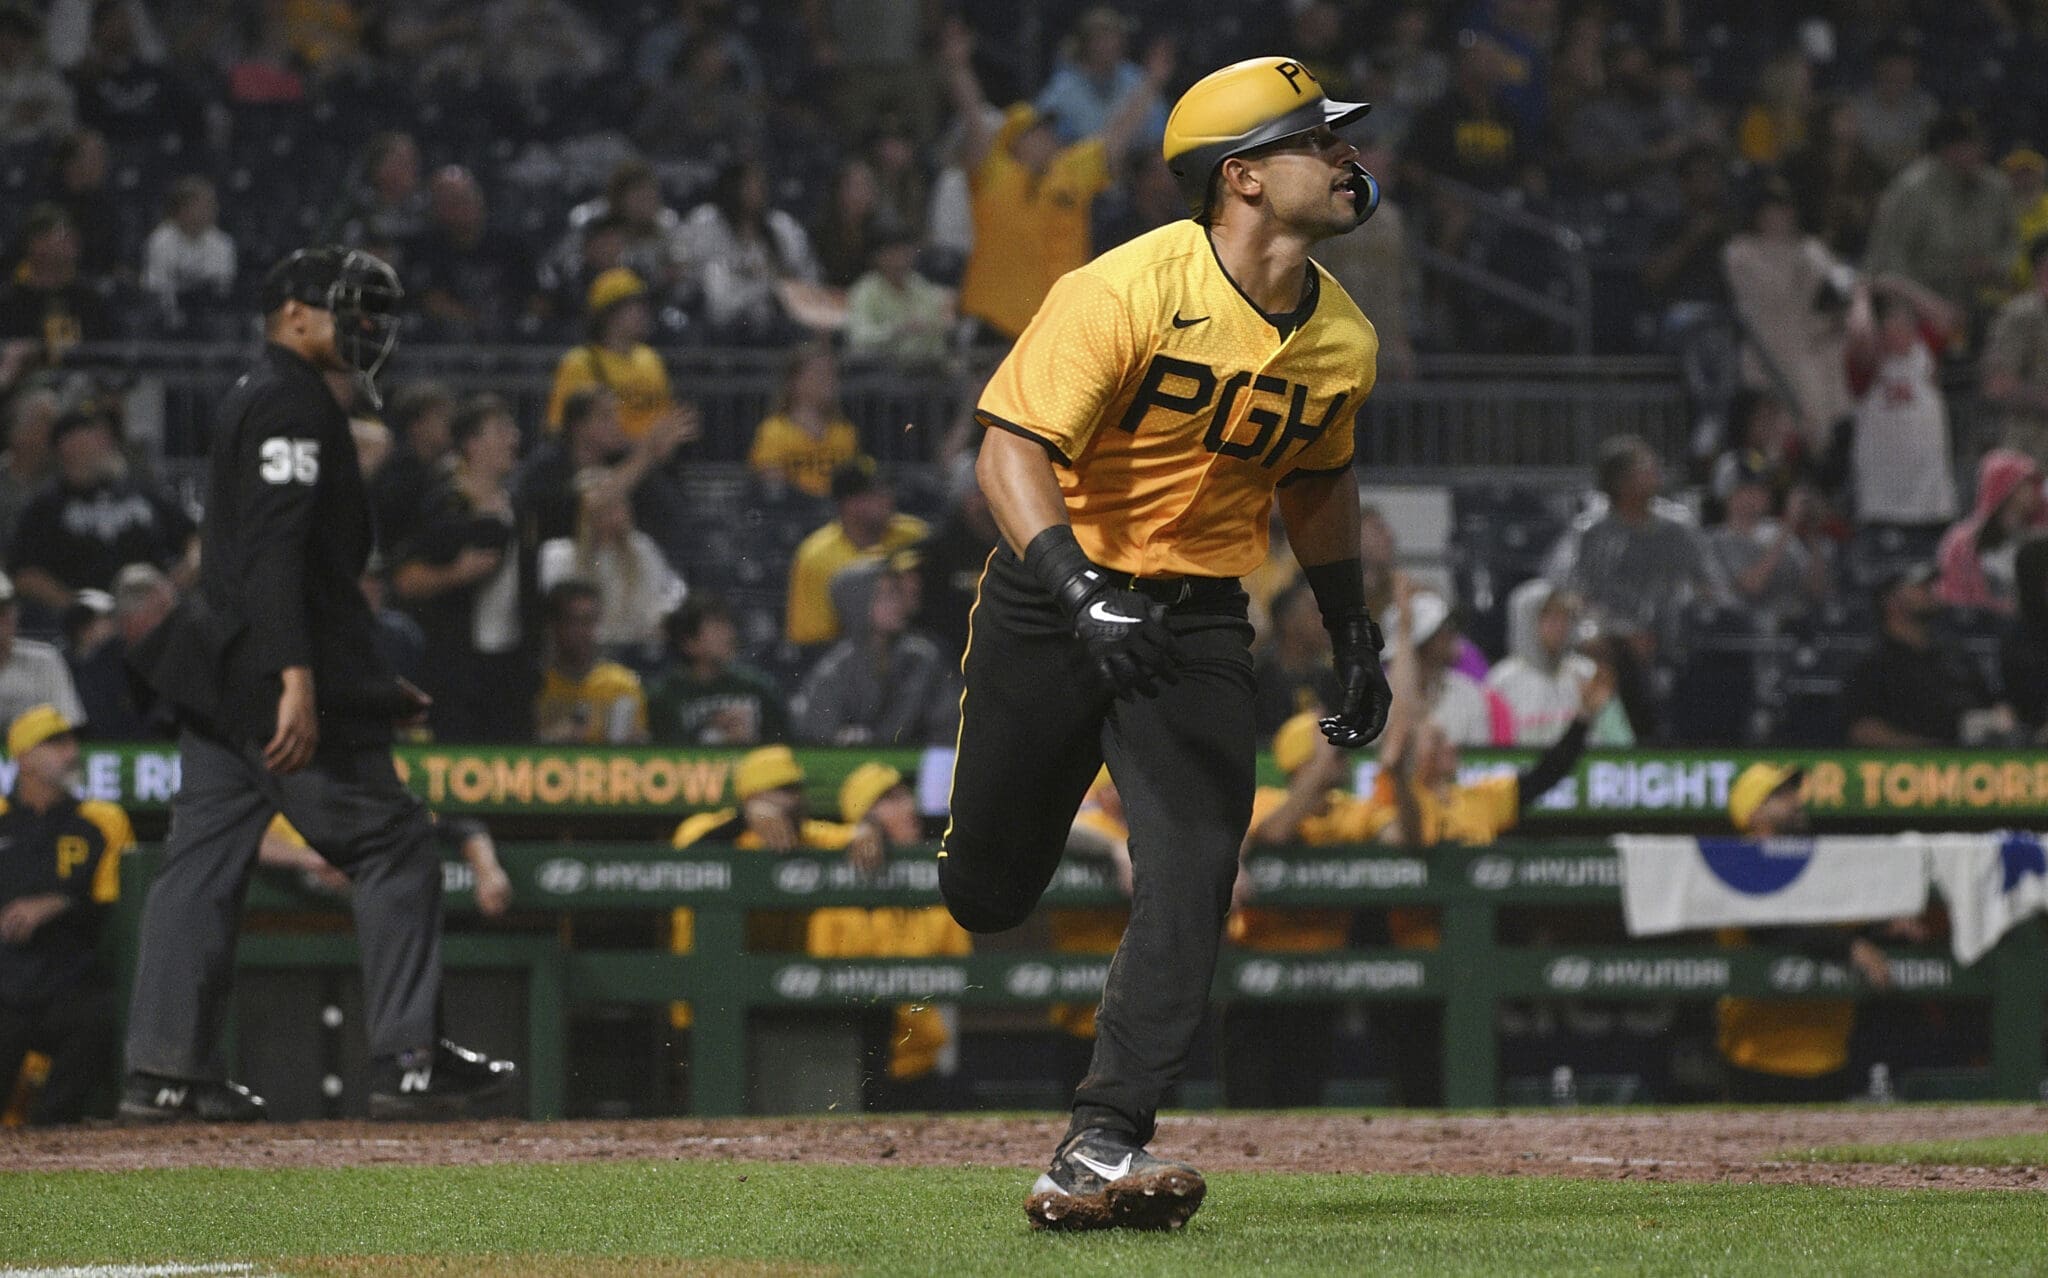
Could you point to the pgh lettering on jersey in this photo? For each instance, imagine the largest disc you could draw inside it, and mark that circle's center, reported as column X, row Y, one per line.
column 1174, row 407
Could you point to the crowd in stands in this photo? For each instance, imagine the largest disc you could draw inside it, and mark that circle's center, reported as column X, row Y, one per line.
column 1834, row 215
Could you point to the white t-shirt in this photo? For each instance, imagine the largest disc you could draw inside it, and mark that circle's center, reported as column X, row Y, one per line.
column 1901, row 453
column 36, row 675
column 1460, row 709
column 628, row 616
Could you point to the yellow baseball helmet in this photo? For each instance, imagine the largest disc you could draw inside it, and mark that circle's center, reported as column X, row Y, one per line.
column 1759, row 781
column 1246, row 104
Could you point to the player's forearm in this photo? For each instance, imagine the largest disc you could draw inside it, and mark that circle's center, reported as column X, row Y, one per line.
column 1321, row 514
column 1023, row 493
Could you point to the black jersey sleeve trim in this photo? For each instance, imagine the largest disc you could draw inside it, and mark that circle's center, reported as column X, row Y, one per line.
column 1304, row 472
column 988, row 419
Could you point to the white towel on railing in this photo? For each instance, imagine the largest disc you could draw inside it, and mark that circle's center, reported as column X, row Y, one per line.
column 1990, row 881
column 1675, row 884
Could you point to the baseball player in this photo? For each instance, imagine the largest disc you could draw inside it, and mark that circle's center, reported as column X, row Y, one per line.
column 1134, row 441
column 285, row 706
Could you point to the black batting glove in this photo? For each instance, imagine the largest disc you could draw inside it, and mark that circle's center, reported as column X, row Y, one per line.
column 1125, row 632
column 1366, row 696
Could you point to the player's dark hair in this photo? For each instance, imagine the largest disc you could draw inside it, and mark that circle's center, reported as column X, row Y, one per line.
column 1618, row 457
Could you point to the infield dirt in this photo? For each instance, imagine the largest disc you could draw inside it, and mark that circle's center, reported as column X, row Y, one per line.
column 1741, row 1146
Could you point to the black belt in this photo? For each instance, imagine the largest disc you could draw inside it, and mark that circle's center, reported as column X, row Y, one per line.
column 1177, row 590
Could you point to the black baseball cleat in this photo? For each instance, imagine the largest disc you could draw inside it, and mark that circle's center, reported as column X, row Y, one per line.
column 1102, row 1180
column 154, row 1098
column 444, row 1081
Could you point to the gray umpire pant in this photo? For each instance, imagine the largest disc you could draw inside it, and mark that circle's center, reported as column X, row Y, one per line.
column 351, row 807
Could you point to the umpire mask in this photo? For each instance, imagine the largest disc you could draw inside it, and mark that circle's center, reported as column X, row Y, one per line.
column 359, row 288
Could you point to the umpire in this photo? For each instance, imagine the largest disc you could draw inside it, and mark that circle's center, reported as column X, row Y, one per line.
column 284, row 706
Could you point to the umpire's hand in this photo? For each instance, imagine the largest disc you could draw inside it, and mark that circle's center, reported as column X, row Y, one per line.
column 1366, row 697
column 298, row 723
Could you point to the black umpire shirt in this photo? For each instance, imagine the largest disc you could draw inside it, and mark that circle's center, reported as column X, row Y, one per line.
column 73, row 849
column 282, row 549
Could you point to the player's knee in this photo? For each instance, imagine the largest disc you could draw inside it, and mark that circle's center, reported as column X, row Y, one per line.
column 981, row 903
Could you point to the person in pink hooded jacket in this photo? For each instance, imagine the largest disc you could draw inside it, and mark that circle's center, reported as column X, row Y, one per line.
column 1977, row 552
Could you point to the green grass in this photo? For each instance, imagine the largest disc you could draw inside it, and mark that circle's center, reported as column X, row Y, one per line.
column 960, row 1222
column 2027, row 1149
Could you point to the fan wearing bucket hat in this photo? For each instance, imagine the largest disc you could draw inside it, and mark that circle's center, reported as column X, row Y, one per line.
column 59, row 872
column 1135, row 442
column 1278, row 1055
column 1776, row 1050
column 620, row 315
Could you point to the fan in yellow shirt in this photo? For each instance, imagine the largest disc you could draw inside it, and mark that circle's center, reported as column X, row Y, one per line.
column 807, row 437
column 868, row 527
column 583, row 700
column 618, row 358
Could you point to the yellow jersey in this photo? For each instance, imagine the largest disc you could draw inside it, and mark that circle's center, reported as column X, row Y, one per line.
column 1028, row 231
column 781, row 447
column 1295, row 929
column 810, row 617
column 638, row 378
column 1804, row 1038
column 606, row 705
column 1173, row 407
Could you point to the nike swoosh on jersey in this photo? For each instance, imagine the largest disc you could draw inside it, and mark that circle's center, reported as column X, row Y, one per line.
column 1108, row 1171
column 1178, row 322
column 1100, row 611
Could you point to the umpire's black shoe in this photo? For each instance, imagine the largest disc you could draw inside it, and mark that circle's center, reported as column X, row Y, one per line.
column 1103, row 1180
column 444, row 1081
column 153, row 1098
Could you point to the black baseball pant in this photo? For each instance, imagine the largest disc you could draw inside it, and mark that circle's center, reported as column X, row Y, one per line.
column 1036, row 724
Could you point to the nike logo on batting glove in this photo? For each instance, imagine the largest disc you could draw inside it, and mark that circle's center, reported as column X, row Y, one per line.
column 1101, row 611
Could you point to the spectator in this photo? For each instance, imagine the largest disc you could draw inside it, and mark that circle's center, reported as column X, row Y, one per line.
column 892, row 311
column 69, row 27
column 2027, row 171
column 536, row 45
column 28, row 463
column 1900, row 454
column 708, row 696
column 45, row 302
column 2015, row 365
column 618, row 358
column 142, row 597
column 1376, row 267
column 383, row 202
column 845, row 233
column 188, row 262
column 419, row 415
column 950, row 561
column 1774, row 571
column 1767, row 441
column 1790, row 294
column 1093, row 77
column 1835, row 181
column 1032, row 195
column 1893, row 112
column 401, row 644
column 584, row 699
column 1318, row 39
column 467, row 577
column 1148, row 198
column 125, row 96
column 650, row 231
column 1774, row 125
column 1777, row 1051
column 35, row 103
column 1684, row 265
column 1637, row 562
column 1913, row 692
column 903, row 189
column 1411, row 74
column 693, row 23
column 323, row 35
column 867, row 527
column 78, row 185
column 1623, row 140
column 807, row 440
column 876, row 58
column 742, row 253
column 436, row 40
column 592, row 435
column 60, row 868
column 1976, row 555
column 881, row 683
column 1455, row 701
column 80, row 531
column 2023, row 651
column 1279, row 1055
column 1466, row 136
column 1946, row 221
column 1543, row 678
column 565, row 281
column 31, row 673
column 474, row 281
column 635, row 586
column 707, row 110
column 1293, row 671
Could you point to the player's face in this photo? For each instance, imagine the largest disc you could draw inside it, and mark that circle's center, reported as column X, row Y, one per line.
column 54, row 762
column 1307, row 182
column 896, row 813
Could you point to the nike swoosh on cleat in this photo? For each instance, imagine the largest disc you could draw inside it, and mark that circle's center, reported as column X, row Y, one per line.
column 1100, row 612
column 1108, row 1171
column 1178, row 322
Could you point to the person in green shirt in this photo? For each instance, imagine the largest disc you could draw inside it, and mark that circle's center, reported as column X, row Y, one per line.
column 709, row 697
